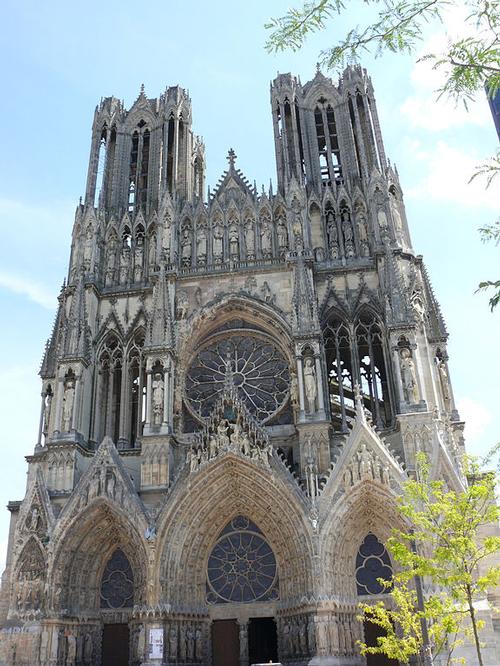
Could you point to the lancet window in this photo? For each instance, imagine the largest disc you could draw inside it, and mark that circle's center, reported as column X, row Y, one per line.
column 355, row 355
column 328, row 143
column 139, row 167
column 105, row 164
column 119, row 405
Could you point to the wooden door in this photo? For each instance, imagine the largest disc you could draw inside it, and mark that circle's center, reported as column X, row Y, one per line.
column 225, row 643
column 115, row 640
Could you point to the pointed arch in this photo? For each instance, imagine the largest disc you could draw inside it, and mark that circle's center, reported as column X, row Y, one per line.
column 224, row 490
column 83, row 548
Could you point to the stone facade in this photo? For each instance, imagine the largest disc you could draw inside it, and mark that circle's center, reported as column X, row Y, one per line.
column 233, row 393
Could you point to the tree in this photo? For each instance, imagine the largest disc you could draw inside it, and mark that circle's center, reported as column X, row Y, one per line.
column 491, row 233
column 470, row 61
column 445, row 547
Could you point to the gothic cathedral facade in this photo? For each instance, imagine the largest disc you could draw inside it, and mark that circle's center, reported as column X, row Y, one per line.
column 234, row 391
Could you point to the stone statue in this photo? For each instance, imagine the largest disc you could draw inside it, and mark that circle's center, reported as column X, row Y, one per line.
column 198, row 644
column 186, row 246
column 46, row 413
column 88, row 247
column 218, row 243
column 201, row 244
column 190, row 643
column 311, row 636
column 408, row 377
column 265, row 240
column 182, row 643
column 222, row 434
column 443, row 378
column 68, row 400
column 282, row 235
column 158, row 387
column 234, row 242
column 34, row 519
column 266, row 294
column 212, row 446
column 250, row 239
column 110, row 485
column 172, row 642
column 71, row 650
column 310, row 384
column 152, row 253
column 167, row 234
column 246, row 445
column 124, row 264
column 347, row 233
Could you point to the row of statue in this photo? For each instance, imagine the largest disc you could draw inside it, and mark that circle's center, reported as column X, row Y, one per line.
column 365, row 466
column 333, row 634
column 184, row 642
column 229, row 437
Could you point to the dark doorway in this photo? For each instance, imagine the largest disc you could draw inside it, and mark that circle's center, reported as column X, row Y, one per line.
column 225, row 643
column 262, row 640
column 115, row 638
column 372, row 632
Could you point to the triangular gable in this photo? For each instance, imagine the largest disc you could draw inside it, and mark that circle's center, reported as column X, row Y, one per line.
column 105, row 478
column 36, row 517
column 364, row 458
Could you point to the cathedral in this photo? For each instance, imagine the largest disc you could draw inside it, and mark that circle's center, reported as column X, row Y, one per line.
column 234, row 391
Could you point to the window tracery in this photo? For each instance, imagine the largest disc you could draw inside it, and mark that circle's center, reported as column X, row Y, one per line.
column 117, row 584
column 241, row 567
column 248, row 360
column 355, row 355
column 372, row 562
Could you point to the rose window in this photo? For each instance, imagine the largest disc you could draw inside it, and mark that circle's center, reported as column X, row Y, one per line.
column 252, row 363
column 241, row 566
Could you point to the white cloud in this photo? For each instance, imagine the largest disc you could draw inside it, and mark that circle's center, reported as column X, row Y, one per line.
column 34, row 291
column 424, row 108
column 447, row 174
column 476, row 418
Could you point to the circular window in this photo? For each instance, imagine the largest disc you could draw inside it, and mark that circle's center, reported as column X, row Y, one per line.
column 242, row 566
column 251, row 362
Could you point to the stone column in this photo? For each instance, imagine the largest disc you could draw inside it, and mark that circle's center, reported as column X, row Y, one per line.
column 76, row 403
column 98, row 407
column 300, row 377
column 59, row 403
column 40, row 426
column 109, row 410
column 166, row 394
column 319, row 381
column 243, row 633
column 124, row 408
column 149, row 389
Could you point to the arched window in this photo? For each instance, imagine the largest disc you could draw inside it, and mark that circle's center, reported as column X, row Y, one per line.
column 372, row 368
column 372, row 562
column 117, row 583
column 241, row 567
column 340, row 371
column 136, row 412
column 109, row 391
column 328, row 143
column 101, row 164
column 355, row 355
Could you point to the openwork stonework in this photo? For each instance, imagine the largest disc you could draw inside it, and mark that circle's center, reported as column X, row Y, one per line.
column 253, row 364
column 234, row 391
column 241, row 567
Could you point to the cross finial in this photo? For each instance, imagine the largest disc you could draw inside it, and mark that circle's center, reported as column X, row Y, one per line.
column 142, row 88
column 231, row 158
column 318, row 68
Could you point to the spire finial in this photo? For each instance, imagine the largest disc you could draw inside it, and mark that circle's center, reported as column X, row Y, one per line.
column 231, row 158
column 142, row 88
column 318, row 68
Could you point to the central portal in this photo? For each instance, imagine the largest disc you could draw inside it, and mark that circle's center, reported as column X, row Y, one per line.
column 262, row 640
column 115, row 638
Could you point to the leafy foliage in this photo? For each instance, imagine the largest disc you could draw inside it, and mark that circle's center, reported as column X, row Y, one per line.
column 444, row 547
column 491, row 233
column 470, row 62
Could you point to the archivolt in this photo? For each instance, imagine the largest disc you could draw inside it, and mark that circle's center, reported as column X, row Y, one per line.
column 201, row 508
column 368, row 508
column 82, row 550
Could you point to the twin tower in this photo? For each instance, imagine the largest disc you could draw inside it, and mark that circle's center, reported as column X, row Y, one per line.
column 234, row 391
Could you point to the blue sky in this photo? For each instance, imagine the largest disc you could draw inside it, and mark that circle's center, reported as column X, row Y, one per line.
column 59, row 58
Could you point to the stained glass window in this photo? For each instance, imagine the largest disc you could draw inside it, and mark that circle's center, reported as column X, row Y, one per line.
column 251, row 362
column 241, row 566
column 117, row 585
column 372, row 562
